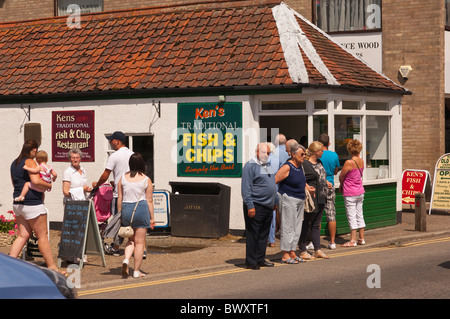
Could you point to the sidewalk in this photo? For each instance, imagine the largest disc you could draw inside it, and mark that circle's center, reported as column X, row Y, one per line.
column 171, row 256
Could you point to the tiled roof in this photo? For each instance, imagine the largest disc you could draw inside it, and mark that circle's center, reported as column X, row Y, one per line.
column 209, row 45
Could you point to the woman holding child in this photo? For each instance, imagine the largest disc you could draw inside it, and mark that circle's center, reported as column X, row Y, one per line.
column 31, row 214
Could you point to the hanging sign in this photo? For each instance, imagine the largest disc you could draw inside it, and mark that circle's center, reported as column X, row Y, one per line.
column 73, row 129
column 440, row 197
column 413, row 181
column 209, row 139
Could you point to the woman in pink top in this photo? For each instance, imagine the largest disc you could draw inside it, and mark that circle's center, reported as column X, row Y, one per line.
column 353, row 192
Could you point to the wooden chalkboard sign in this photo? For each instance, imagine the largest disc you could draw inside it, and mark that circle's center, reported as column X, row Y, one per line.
column 80, row 234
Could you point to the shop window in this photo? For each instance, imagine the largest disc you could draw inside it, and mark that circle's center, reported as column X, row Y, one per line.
column 285, row 105
column 377, row 106
column 377, row 147
column 320, row 126
column 347, row 127
column 348, row 15
column 86, row 6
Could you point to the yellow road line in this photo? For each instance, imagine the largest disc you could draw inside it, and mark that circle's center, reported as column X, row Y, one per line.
column 233, row 271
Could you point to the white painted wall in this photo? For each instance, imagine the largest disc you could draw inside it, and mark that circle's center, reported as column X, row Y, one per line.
column 129, row 116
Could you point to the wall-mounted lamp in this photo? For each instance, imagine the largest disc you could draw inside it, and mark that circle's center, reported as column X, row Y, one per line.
column 222, row 98
column 405, row 71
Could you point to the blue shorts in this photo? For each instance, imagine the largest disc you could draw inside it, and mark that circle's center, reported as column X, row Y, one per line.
column 141, row 217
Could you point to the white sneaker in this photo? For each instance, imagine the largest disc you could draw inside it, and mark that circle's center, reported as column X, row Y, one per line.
column 331, row 246
column 310, row 245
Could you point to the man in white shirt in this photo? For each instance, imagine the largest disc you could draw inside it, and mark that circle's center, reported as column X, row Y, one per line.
column 118, row 165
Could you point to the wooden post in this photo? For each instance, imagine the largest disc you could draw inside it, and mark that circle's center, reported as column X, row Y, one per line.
column 421, row 221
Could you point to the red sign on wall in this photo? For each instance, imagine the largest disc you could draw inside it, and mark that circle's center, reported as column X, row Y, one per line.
column 413, row 181
column 73, row 129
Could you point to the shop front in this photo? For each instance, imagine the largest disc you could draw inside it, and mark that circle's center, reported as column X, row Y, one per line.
column 195, row 90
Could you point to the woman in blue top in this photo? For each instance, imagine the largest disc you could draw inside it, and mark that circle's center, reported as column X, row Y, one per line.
column 31, row 214
column 291, row 185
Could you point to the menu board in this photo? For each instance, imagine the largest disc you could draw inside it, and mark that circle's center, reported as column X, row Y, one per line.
column 440, row 198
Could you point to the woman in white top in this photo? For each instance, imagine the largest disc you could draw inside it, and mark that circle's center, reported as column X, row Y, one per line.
column 75, row 184
column 136, row 187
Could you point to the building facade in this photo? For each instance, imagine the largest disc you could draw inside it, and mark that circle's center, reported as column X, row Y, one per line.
column 196, row 88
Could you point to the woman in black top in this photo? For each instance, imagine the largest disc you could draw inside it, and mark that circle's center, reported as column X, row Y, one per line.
column 31, row 214
column 317, row 177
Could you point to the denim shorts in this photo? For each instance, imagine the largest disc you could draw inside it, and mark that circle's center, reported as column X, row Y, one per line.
column 141, row 217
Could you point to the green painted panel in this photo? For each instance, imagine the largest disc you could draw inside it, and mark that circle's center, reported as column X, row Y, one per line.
column 379, row 209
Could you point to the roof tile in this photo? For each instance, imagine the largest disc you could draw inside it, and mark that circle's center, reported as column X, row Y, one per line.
column 209, row 45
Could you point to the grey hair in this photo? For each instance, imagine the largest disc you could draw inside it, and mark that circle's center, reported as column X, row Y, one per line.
column 294, row 147
column 75, row 151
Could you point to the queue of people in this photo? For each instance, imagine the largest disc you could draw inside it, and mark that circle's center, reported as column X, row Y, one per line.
column 306, row 170
column 271, row 190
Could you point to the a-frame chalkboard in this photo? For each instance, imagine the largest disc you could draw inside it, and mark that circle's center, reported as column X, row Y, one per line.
column 80, row 234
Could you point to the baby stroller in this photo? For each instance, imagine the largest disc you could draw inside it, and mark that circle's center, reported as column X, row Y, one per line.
column 102, row 204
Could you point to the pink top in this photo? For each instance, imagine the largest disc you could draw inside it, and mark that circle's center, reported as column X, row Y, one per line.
column 352, row 185
column 46, row 173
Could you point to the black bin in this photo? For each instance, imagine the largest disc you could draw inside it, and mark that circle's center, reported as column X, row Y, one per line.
column 199, row 209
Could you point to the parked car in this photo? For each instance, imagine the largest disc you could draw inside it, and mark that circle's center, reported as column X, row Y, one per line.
column 24, row 280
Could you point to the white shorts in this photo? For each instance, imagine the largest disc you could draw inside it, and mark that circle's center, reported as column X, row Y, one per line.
column 29, row 211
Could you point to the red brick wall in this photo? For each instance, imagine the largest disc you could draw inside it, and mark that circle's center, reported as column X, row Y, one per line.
column 413, row 34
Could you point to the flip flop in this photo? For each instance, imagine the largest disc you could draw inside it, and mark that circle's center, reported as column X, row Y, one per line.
column 299, row 260
column 289, row 261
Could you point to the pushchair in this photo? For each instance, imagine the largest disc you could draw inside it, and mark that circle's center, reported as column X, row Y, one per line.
column 102, row 203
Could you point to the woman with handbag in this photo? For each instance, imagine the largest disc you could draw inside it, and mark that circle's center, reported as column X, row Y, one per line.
column 316, row 176
column 353, row 191
column 291, row 186
column 135, row 202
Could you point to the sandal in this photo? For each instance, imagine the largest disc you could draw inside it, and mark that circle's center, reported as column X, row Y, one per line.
column 305, row 255
column 289, row 261
column 299, row 260
column 350, row 243
column 320, row 254
column 361, row 242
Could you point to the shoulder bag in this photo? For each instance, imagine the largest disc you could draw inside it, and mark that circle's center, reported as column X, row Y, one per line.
column 309, row 206
column 127, row 231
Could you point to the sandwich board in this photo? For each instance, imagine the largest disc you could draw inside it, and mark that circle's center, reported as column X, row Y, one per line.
column 80, row 235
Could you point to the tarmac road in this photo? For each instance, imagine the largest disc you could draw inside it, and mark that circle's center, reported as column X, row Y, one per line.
column 411, row 270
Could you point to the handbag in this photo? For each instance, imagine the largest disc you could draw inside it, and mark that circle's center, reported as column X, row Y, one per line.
column 309, row 206
column 309, row 202
column 127, row 231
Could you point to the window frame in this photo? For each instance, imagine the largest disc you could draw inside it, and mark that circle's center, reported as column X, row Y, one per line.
column 314, row 15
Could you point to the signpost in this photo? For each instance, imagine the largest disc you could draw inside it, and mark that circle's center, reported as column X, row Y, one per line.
column 80, row 235
column 440, row 197
column 413, row 181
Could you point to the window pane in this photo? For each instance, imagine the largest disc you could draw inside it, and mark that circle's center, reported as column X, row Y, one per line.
column 348, row 15
column 378, row 106
column 320, row 126
column 377, row 147
column 347, row 127
column 350, row 105
column 86, row 6
column 296, row 105
column 320, row 105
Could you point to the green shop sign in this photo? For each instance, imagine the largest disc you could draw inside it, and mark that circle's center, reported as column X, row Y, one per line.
column 209, row 139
